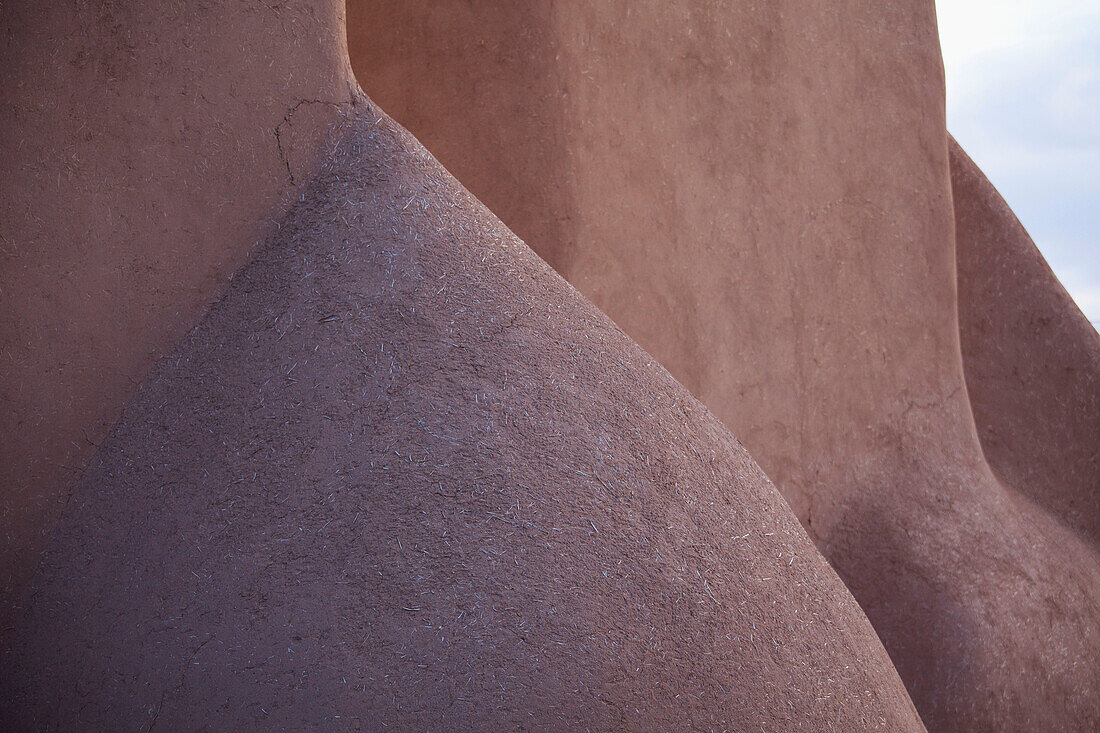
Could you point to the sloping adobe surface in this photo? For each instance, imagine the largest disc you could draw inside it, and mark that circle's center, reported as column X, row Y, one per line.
column 759, row 194
column 1032, row 358
column 404, row 474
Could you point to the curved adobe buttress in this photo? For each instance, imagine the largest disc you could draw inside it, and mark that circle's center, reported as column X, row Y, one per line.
column 402, row 474
column 1032, row 359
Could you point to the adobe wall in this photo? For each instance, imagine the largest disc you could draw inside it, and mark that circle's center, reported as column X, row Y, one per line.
column 145, row 147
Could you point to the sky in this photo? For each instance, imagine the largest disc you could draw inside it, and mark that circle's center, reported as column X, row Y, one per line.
column 1023, row 99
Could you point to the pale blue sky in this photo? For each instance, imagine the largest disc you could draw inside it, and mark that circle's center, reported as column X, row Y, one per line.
column 1023, row 99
